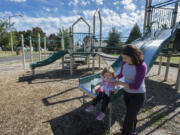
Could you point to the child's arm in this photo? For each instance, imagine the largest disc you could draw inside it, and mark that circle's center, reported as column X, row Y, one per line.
column 115, row 90
column 98, row 90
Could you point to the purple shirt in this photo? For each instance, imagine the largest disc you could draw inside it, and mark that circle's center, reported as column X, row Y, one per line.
column 134, row 76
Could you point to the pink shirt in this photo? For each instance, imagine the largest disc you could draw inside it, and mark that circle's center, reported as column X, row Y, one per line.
column 107, row 86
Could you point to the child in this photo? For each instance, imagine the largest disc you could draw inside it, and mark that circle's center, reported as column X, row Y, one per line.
column 103, row 93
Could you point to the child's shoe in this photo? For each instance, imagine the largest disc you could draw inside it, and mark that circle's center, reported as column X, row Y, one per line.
column 100, row 116
column 89, row 108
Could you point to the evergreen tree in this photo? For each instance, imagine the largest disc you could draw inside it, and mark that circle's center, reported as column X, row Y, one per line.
column 52, row 42
column 114, row 38
column 134, row 34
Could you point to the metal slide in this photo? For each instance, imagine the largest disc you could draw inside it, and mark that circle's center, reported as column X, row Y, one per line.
column 151, row 44
column 49, row 60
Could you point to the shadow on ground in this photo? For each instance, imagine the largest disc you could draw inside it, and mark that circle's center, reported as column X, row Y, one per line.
column 78, row 122
column 54, row 76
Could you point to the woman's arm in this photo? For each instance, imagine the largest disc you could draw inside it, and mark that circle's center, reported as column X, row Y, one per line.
column 120, row 75
column 140, row 75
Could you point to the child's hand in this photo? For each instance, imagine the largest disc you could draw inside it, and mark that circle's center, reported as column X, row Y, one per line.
column 97, row 91
column 115, row 91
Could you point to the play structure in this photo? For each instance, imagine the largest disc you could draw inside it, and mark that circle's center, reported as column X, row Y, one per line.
column 160, row 28
column 158, row 32
column 83, row 48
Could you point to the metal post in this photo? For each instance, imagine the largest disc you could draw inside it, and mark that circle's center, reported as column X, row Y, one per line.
column 174, row 16
column 71, row 42
column 160, row 64
column 39, row 46
column 145, row 16
column 149, row 13
column 93, row 63
column 73, row 58
column 167, row 68
column 11, row 40
column 71, row 51
column 88, row 61
column 62, row 47
column 30, row 44
column 99, row 62
column 100, row 32
column 71, row 64
column 178, row 79
column 33, row 72
column 23, row 55
column 62, row 40
column 12, row 48
column 45, row 46
column 94, row 27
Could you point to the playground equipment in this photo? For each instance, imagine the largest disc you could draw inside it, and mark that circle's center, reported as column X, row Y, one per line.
column 158, row 32
column 160, row 28
column 81, row 47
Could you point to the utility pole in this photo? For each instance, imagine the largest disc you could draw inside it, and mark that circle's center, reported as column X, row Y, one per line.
column 11, row 38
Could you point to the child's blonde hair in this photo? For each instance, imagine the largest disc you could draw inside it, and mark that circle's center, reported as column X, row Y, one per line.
column 108, row 70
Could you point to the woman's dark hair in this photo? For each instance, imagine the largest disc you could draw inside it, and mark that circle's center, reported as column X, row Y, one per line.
column 134, row 53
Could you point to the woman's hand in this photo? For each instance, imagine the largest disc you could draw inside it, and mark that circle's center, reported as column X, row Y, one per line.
column 97, row 91
column 115, row 91
column 118, row 83
column 126, row 85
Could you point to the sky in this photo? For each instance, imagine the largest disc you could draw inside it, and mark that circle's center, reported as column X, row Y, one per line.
column 51, row 15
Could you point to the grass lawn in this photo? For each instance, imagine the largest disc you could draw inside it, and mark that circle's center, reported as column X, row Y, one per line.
column 164, row 59
column 9, row 54
column 173, row 59
column 6, row 54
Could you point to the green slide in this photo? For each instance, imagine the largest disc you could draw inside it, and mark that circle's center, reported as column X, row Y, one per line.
column 151, row 45
column 49, row 60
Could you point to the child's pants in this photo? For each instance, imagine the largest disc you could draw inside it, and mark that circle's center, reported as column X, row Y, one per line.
column 133, row 101
column 105, row 100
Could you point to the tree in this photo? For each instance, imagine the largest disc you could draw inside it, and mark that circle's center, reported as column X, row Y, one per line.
column 34, row 36
column 66, row 37
column 134, row 34
column 113, row 41
column 3, row 26
column 52, row 42
column 4, row 36
column 114, row 38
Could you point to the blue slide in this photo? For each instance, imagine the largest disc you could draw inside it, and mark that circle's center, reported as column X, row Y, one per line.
column 151, row 45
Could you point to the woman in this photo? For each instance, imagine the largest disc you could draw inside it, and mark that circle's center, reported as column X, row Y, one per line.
column 133, row 70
